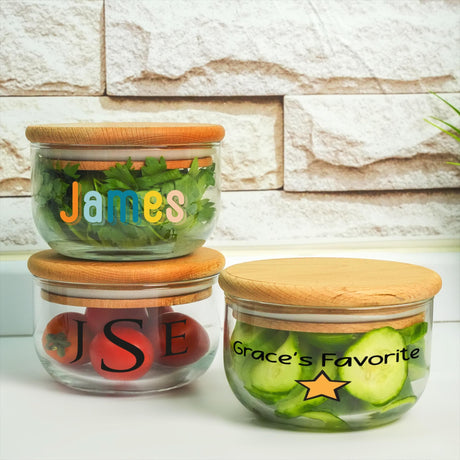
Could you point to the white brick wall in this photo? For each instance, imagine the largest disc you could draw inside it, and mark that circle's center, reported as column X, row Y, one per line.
column 323, row 104
column 244, row 47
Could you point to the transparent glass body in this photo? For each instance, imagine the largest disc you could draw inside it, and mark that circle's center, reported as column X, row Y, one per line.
column 327, row 369
column 125, row 203
column 126, row 339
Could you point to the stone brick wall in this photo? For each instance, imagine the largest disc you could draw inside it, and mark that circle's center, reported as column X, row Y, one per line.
column 323, row 104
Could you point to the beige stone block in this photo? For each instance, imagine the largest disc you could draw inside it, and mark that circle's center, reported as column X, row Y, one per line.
column 17, row 229
column 251, row 154
column 277, row 217
column 204, row 47
column 368, row 142
column 52, row 47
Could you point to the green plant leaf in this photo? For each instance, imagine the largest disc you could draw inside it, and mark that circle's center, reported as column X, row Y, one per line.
column 53, row 193
column 454, row 128
column 123, row 174
column 446, row 102
column 457, row 130
column 457, row 138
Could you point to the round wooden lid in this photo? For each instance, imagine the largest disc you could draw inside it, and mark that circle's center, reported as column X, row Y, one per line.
column 146, row 134
column 50, row 265
column 329, row 282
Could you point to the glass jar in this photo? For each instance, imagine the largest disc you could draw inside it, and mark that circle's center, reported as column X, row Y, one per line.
column 328, row 343
column 125, row 191
column 126, row 327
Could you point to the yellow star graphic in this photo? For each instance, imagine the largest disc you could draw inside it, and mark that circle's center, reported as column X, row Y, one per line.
column 322, row 385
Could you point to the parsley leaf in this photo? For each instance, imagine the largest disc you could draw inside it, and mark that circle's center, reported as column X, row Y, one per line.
column 53, row 193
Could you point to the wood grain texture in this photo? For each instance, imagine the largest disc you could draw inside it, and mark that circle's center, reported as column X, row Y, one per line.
column 330, row 282
column 336, row 328
column 50, row 265
column 104, row 165
column 147, row 134
column 126, row 303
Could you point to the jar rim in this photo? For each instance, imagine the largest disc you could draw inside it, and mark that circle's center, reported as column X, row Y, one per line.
column 112, row 296
column 328, row 319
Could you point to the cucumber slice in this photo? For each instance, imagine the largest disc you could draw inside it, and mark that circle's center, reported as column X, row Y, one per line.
column 400, row 404
column 347, row 405
column 252, row 338
column 376, row 383
column 417, row 372
column 418, row 368
column 325, row 420
column 264, row 396
column 246, row 333
column 294, row 403
column 414, row 333
column 329, row 342
column 275, row 377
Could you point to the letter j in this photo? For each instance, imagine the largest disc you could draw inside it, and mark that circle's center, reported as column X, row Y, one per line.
column 74, row 218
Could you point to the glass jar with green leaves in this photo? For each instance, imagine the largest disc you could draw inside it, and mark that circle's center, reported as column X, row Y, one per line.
column 125, row 191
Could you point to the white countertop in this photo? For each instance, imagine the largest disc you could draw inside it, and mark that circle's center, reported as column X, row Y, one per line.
column 41, row 419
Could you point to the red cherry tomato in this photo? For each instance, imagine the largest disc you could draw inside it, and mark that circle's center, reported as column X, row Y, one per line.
column 155, row 312
column 98, row 317
column 66, row 338
column 182, row 340
column 153, row 323
column 121, row 353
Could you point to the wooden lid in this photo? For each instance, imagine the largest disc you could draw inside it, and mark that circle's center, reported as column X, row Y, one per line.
column 146, row 134
column 50, row 265
column 330, row 282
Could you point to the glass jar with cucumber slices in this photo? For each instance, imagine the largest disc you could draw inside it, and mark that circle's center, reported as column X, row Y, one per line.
column 125, row 191
column 328, row 344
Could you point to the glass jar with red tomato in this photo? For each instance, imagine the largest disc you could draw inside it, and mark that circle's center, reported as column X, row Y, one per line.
column 126, row 327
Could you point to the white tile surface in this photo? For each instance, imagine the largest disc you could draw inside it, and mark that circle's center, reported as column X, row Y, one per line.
column 41, row 419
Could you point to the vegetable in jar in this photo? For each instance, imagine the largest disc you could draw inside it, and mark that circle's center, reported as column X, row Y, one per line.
column 328, row 343
column 126, row 327
column 125, row 191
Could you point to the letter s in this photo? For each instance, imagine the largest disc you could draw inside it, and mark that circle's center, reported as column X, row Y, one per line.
column 306, row 361
column 180, row 214
column 136, row 352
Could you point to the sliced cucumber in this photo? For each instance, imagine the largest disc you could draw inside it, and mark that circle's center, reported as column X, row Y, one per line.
column 414, row 333
column 347, row 404
column 294, row 403
column 376, row 383
column 329, row 342
column 418, row 368
column 275, row 377
column 246, row 333
column 417, row 372
column 325, row 420
column 399, row 404
column 249, row 337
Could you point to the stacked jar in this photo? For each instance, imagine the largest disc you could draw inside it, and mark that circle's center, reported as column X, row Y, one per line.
column 124, row 300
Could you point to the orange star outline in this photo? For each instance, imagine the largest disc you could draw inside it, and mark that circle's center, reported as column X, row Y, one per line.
column 322, row 385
